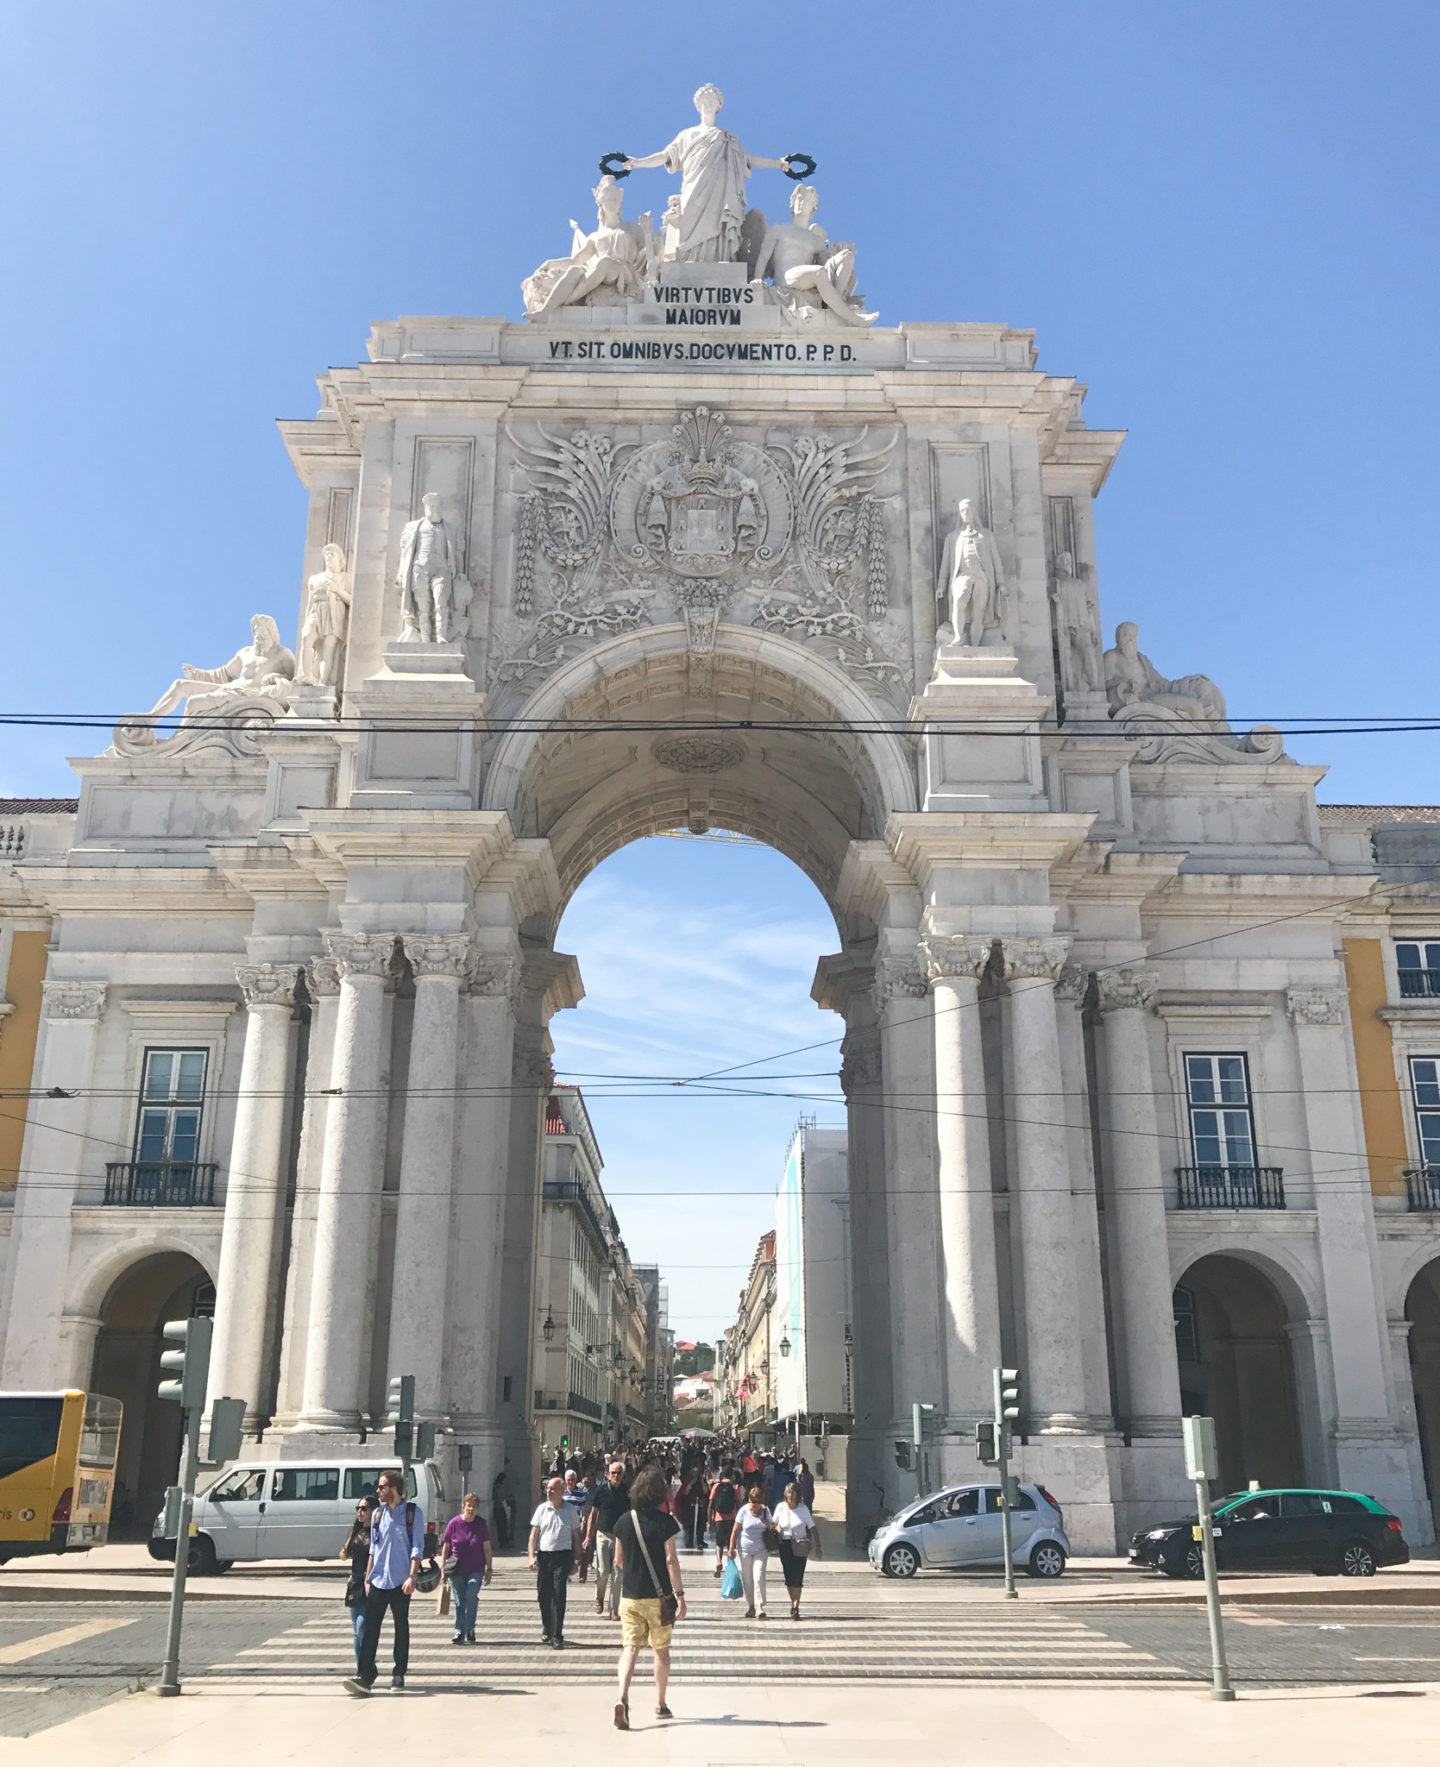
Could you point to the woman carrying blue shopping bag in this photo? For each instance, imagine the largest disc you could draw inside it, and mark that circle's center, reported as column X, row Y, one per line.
column 731, row 1588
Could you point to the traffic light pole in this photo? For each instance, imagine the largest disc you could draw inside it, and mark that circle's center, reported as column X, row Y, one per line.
column 189, row 1461
column 1002, row 1450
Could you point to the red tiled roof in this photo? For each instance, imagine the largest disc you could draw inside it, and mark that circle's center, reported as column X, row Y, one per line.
column 554, row 1117
column 39, row 806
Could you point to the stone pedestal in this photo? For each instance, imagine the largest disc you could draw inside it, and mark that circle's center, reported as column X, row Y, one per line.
column 421, row 718
column 980, row 732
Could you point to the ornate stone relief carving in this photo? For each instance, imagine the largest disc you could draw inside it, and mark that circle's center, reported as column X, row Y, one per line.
column 1180, row 720
column 74, row 999
column 1033, row 959
column 322, row 976
column 1119, row 989
column 241, row 697
column 698, row 754
column 965, row 955
column 532, row 1063
column 268, row 984
column 860, row 1063
column 438, row 954
column 614, row 536
column 361, row 954
column 1315, row 1006
column 1073, row 983
column 494, row 976
column 898, row 977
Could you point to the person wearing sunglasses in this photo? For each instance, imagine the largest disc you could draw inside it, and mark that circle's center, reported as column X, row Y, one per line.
column 357, row 1550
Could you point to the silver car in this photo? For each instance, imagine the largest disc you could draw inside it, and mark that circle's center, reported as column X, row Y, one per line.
column 961, row 1527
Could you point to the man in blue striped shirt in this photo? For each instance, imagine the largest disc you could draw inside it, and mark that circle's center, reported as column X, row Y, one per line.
column 397, row 1544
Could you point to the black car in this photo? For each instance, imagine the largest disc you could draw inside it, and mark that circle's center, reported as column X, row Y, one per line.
column 1333, row 1533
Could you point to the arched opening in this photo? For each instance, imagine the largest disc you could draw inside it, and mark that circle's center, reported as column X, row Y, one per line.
column 1236, row 1366
column 166, row 1285
column 1422, row 1309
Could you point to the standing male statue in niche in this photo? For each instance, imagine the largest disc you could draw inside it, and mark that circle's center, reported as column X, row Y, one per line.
column 1077, row 624
column 808, row 271
column 429, row 578
column 713, row 167
column 971, row 589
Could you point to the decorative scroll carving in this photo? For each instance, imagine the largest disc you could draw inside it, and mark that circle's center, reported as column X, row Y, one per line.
column 239, row 698
column 494, row 976
column 1039, row 960
column 1315, row 1007
column 962, row 956
column 322, row 976
column 1073, row 983
column 361, row 954
column 74, row 999
column 698, row 754
column 899, row 977
column 268, row 984
column 1119, row 990
column 1181, row 720
column 438, row 954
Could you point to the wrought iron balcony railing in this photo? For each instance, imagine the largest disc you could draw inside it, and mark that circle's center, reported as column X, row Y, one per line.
column 160, row 1184
column 1230, row 1187
column 1422, row 1185
column 1419, row 983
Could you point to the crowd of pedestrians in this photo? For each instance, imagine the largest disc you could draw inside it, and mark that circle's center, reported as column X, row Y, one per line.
column 626, row 1515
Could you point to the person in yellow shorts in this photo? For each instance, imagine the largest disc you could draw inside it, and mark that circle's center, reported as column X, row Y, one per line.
column 649, row 1569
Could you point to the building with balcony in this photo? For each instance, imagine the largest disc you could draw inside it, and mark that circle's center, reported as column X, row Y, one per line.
column 591, row 1343
column 813, row 1376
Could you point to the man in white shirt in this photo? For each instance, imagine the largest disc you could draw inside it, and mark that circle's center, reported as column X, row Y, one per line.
column 553, row 1529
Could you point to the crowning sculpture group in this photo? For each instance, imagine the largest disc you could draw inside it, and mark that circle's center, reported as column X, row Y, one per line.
column 794, row 269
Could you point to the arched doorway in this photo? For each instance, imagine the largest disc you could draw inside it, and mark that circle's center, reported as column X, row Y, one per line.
column 1236, row 1366
column 1422, row 1309
column 165, row 1285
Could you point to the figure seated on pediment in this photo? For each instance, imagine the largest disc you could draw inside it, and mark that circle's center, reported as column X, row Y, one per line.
column 605, row 268
column 807, row 273
column 1131, row 679
column 261, row 670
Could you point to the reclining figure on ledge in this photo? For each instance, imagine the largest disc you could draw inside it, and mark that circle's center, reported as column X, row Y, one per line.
column 1131, row 679
column 264, row 669
column 605, row 268
column 806, row 270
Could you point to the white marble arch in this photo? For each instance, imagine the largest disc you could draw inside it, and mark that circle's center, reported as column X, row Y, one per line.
column 94, row 1274
column 1295, row 1281
column 885, row 775
column 1401, row 1269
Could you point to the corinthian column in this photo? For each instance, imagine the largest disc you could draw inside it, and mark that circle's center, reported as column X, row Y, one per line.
column 254, row 1189
column 1054, row 1372
column 1141, row 1281
column 343, row 1283
column 971, row 1322
column 427, row 1163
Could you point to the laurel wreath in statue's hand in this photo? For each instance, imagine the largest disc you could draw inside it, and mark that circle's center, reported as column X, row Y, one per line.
column 803, row 161
column 612, row 165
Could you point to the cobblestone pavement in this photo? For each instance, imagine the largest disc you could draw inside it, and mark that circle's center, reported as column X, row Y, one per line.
column 58, row 1659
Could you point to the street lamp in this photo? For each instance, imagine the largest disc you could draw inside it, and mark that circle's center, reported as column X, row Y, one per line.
column 547, row 1330
column 785, row 1345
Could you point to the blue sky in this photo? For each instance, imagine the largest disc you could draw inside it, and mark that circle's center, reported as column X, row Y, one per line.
column 1221, row 217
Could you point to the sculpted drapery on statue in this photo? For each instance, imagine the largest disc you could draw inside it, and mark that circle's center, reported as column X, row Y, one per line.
column 607, row 267
column 971, row 587
column 262, row 669
column 434, row 592
column 326, row 621
column 805, row 267
column 713, row 167
column 1132, row 679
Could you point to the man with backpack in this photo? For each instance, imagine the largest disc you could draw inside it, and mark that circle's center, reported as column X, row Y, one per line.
column 397, row 1544
column 724, row 1501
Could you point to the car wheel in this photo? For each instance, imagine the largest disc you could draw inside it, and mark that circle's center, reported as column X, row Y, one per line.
column 901, row 1561
column 1356, row 1560
column 1047, row 1560
column 222, row 1565
column 201, row 1560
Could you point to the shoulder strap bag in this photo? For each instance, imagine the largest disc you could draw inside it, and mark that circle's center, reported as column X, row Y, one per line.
column 669, row 1604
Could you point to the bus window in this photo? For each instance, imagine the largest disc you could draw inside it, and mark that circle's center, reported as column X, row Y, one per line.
column 100, row 1433
column 29, row 1429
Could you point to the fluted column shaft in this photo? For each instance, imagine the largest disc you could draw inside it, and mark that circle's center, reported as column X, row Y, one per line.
column 427, row 1163
column 350, row 1176
column 1141, row 1283
column 1054, row 1366
column 969, row 1284
column 254, row 1190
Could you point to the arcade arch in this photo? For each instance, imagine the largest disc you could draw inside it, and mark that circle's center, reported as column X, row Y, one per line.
column 1234, row 1325
column 1422, row 1309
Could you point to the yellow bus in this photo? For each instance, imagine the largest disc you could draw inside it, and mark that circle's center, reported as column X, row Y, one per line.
column 57, row 1471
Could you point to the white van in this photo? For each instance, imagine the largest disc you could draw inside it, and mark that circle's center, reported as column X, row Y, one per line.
column 292, row 1509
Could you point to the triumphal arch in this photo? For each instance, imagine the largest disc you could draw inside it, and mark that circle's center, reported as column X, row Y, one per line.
column 702, row 541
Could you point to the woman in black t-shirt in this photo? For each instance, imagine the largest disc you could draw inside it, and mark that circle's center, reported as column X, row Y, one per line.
column 649, row 1569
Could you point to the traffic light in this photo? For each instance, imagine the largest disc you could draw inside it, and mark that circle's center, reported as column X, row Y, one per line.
column 1007, row 1396
column 986, row 1451
column 226, row 1416
column 400, row 1404
column 424, row 1441
column 190, row 1364
column 902, row 1455
column 564, row 1441
column 923, row 1423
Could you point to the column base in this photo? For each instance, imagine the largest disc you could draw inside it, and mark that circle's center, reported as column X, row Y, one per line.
column 1153, row 1483
column 1083, row 1473
column 330, row 1423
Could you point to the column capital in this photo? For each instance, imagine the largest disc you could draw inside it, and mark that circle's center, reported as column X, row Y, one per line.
column 322, row 977
column 494, row 977
column 859, row 1058
column 532, row 1063
column 1122, row 989
column 1073, row 983
column 1036, row 960
column 947, row 956
column 361, row 954
column 268, row 984
column 902, row 976
column 74, row 999
column 438, row 954
column 1315, row 1007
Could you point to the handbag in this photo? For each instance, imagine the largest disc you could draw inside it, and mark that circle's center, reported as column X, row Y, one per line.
column 442, row 1600
column 801, row 1547
column 669, row 1605
column 731, row 1587
column 771, row 1537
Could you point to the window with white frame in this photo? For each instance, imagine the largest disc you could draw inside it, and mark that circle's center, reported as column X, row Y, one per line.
column 1425, row 1091
column 1222, row 1127
column 172, row 1098
column 1418, row 962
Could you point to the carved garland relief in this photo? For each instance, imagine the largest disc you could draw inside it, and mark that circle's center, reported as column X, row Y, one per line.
column 693, row 528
